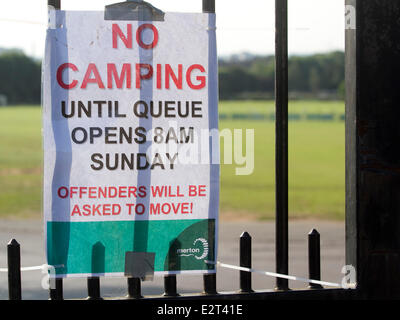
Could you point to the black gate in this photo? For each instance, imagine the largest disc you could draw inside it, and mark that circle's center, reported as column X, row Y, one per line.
column 372, row 171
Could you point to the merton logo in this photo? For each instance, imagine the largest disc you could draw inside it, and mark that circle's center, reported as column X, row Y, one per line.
column 199, row 249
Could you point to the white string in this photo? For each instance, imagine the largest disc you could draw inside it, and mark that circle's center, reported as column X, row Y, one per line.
column 220, row 264
column 273, row 274
column 44, row 267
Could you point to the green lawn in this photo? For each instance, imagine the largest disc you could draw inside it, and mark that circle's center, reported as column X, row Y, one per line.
column 20, row 161
column 316, row 172
column 316, row 163
column 316, row 149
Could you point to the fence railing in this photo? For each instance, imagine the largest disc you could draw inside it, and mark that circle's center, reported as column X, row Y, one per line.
column 245, row 289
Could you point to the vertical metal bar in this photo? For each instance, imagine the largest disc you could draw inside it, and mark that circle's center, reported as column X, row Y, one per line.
column 55, row 3
column 372, row 153
column 209, row 6
column 93, row 284
column 281, row 143
column 351, row 134
column 245, row 261
column 210, row 283
column 57, row 292
column 14, row 270
column 209, row 280
column 134, row 288
column 314, row 258
column 170, row 286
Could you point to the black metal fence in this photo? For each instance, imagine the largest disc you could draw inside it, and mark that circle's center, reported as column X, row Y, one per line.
column 244, row 291
column 372, row 171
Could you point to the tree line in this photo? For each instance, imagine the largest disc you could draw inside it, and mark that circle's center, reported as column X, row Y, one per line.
column 314, row 76
column 20, row 78
column 240, row 76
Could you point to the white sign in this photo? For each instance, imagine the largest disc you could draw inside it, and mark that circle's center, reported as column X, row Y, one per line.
column 128, row 107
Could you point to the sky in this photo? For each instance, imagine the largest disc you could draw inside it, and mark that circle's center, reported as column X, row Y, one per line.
column 242, row 26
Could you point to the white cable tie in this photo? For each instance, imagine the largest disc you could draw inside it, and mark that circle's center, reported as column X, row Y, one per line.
column 273, row 274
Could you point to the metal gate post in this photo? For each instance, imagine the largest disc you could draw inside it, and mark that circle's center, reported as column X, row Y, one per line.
column 14, row 270
column 55, row 3
column 372, row 145
column 208, row 6
column 281, row 144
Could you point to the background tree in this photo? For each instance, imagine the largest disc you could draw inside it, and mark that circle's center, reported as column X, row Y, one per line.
column 20, row 78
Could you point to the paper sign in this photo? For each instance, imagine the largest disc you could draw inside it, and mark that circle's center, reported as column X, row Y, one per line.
column 130, row 164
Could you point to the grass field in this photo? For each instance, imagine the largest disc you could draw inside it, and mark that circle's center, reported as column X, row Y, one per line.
column 316, row 164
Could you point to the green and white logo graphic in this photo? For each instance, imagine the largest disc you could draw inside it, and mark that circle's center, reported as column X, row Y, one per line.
column 198, row 253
